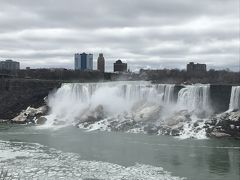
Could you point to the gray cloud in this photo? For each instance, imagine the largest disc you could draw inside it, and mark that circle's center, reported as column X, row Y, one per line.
column 146, row 33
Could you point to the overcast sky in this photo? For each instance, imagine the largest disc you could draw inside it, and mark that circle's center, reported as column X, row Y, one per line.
column 144, row 33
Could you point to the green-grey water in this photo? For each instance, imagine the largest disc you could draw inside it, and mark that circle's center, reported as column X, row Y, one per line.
column 71, row 153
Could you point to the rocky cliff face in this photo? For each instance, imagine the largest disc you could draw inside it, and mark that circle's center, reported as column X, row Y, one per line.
column 220, row 97
column 18, row 94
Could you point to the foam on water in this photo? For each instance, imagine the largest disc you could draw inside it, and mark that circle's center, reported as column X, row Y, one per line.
column 191, row 132
column 34, row 161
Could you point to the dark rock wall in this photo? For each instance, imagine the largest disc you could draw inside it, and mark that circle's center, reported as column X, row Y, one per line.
column 177, row 88
column 220, row 97
column 18, row 94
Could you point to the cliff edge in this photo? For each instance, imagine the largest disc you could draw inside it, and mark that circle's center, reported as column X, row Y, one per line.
column 18, row 94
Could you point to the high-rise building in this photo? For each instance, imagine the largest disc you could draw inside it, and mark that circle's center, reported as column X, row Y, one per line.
column 9, row 65
column 196, row 68
column 83, row 61
column 119, row 66
column 101, row 63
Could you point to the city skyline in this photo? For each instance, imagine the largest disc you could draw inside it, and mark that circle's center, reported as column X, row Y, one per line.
column 147, row 34
column 93, row 66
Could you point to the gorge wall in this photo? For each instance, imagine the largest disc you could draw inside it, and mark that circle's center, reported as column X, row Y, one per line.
column 220, row 97
column 17, row 94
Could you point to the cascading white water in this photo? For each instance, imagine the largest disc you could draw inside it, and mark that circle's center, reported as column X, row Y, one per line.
column 128, row 106
column 195, row 98
column 235, row 98
column 167, row 93
column 74, row 101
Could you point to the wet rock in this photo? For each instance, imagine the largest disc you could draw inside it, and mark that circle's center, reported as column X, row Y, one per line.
column 176, row 118
column 224, row 124
column 175, row 132
column 99, row 112
column 30, row 115
column 151, row 129
column 164, row 130
column 219, row 134
column 90, row 116
column 4, row 121
column 196, row 124
column 146, row 112
column 174, row 124
column 206, row 126
column 211, row 121
column 123, row 126
column 41, row 120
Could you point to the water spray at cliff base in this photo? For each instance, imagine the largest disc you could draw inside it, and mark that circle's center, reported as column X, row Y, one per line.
column 132, row 107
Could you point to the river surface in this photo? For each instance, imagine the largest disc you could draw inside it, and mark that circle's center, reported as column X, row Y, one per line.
column 71, row 153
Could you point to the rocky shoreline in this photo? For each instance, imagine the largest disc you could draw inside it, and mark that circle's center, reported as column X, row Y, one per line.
column 31, row 116
column 181, row 123
column 226, row 124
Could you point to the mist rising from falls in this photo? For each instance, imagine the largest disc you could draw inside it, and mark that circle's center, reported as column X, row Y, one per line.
column 73, row 101
column 127, row 105
column 235, row 98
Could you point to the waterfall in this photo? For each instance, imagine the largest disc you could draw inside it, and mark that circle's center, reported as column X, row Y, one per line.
column 195, row 98
column 235, row 98
column 167, row 93
column 77, row 100
column 137, row 106
column 74, row 100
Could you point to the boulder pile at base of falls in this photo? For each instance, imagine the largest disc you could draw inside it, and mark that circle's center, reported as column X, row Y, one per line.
column 31, row 115
column 146, row 120
column 226, row 124
column 141, row 117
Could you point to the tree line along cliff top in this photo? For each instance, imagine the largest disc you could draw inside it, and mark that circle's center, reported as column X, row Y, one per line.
column 175, row 76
